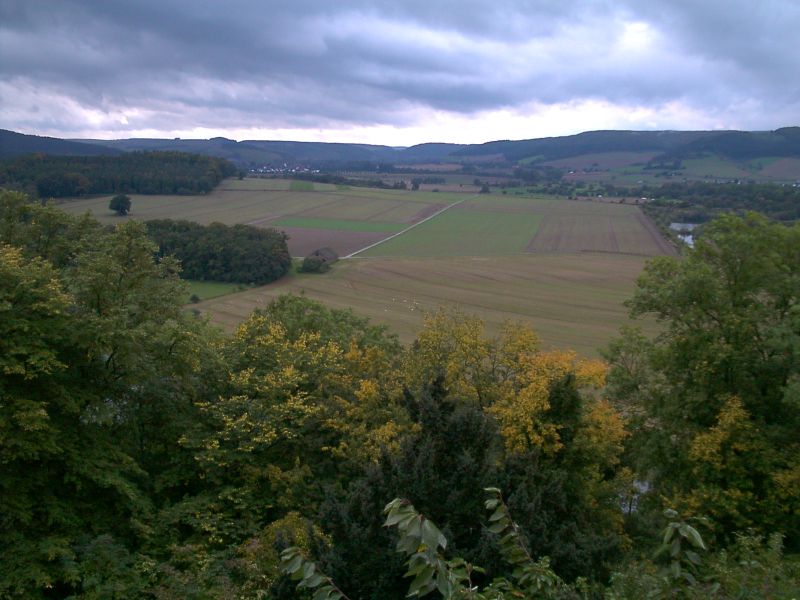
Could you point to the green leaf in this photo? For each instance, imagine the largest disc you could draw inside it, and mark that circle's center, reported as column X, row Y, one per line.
column 694, row 537
column 496, row 527
column 308, row 569
column 394, row 518
column 693, row 557
column 293, row 564
column 675, row 569
column 431, row 535
column 323, row 593
column 420, row 581
column 443, row 585
column 675, row 548
column 313, row 581
column 497, row 514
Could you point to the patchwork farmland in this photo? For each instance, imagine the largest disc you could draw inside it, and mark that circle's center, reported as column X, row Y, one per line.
column 564, row 266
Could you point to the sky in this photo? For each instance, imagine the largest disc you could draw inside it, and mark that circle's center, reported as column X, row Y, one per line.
column 395, row 72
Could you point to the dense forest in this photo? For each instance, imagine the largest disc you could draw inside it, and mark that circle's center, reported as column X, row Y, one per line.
column 49, row 176
column 217, row 252
column 145, row 454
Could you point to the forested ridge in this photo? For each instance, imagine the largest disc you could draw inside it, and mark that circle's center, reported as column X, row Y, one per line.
column 48, row 176
column 145, row 454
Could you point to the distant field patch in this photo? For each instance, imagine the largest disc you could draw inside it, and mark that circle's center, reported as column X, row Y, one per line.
column 787, row 169
column 303, row 242
column 262, row 201
column 339, row 224
column 713, row 167
column 301, row 186
column 255, row 184
column 628, row 234
column 206, row 290
column 429, row 167
column 602, row 160
column 463, row 233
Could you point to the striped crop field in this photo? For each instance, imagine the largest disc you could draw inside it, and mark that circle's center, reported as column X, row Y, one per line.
column 312, row 218
column 571, row 300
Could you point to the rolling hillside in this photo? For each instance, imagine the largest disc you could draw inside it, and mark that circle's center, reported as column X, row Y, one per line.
column 722, row 154
column 16, row 144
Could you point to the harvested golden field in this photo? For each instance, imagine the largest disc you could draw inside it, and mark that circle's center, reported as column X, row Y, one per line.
column 571, row 300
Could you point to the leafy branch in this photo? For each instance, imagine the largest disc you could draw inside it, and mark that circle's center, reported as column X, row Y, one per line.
column 423, row 543
column 301, row 569
column 682, row 561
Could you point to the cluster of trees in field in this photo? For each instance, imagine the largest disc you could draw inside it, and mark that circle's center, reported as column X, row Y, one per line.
column 49, row 176
column 145, row 454
column 218, row 252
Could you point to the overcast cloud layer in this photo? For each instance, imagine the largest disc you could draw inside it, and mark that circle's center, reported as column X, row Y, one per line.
column 395, row 72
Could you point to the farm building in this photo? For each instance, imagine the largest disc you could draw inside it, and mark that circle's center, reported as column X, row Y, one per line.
column 326, row 255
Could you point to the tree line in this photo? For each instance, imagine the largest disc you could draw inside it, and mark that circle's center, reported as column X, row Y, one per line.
column 145, row 454
column 700, row 202
column 49, row 176
column 218, row 252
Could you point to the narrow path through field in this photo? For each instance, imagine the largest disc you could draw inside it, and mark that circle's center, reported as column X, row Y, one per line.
column 410, row 227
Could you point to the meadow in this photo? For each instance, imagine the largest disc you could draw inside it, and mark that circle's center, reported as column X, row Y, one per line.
column 563, row 266
column 206, row 290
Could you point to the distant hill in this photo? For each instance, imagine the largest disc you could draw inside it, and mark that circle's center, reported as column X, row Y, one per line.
column 664, row 145
column 16, row 144
column 743, row 145
column 597, row 149
column 219, row 147
column 591, row 142
column 266, row 152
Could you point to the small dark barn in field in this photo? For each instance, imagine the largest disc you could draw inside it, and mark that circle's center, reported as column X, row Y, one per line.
column 319, row 261
column 326, row 255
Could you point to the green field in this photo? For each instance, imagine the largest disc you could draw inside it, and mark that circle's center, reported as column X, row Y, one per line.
column 459, row 232
column 206, row 290
column 714, row 167
column 301, row 186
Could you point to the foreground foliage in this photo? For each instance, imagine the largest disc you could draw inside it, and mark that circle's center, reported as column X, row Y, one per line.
column 713, row 401
column 143, row 454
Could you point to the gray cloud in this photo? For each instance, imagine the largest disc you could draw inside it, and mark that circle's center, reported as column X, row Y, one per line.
column 77, row 66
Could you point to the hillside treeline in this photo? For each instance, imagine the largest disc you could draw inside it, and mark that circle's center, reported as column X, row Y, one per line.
column 700, row 202
column 145, row 454
column 695, row 201
column 48, row 176
column 218, row 252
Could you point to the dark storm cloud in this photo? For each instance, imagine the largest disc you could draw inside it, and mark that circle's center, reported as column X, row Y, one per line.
column 172, row 65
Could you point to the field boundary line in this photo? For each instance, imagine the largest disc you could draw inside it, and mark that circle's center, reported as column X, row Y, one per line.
column 409, row 228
